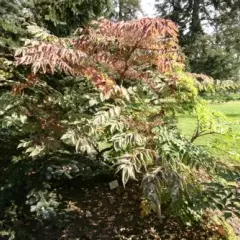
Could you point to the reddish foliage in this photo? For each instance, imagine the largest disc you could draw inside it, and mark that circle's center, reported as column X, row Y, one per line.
column 18, row 88
column 120, row 50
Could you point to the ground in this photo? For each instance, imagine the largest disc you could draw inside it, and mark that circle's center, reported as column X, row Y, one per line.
column 101, row 213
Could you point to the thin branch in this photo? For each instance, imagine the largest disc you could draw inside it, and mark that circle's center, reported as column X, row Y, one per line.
column 201, row 134
column 100, row 153
column 5, row 55
column 129, row 56
column 196, row 132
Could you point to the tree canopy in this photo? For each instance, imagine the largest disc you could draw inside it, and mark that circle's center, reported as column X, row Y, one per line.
column 12, row 29
column 203, row 26
column 63, row 17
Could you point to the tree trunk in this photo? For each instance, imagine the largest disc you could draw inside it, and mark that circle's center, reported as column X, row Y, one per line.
column 120, row 14
column 196, row 23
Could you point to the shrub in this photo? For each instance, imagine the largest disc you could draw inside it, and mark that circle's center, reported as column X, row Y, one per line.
column 114, row 95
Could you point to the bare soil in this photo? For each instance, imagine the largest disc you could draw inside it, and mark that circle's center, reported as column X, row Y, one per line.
column 101, row 213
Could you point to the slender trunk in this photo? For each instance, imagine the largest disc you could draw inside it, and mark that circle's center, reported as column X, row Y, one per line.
column 120, row 14
column 196, row 23
column 176, row 11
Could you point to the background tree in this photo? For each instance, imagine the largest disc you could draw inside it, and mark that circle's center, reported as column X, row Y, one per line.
column 63, row 17
column 193, row 16
column 127, row 9
column 13, row 17
column 203, row 34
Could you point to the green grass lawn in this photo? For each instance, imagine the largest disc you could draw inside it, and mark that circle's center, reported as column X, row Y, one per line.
column 230, row 109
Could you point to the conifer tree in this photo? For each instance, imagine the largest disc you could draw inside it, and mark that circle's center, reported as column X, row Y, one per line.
column 209, row 33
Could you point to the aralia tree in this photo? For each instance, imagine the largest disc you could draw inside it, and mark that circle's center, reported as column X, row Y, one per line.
column 114, row 96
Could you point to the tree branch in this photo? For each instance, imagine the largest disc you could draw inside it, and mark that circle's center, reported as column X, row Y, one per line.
column 7, row 56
